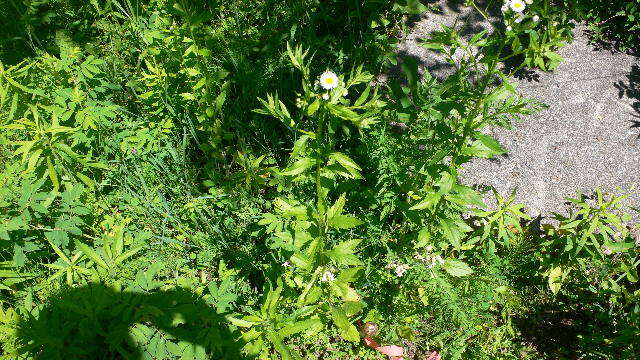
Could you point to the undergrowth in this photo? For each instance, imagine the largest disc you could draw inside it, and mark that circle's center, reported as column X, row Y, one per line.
column 230, row 179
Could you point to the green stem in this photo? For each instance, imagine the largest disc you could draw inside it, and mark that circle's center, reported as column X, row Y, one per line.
column 320, row 196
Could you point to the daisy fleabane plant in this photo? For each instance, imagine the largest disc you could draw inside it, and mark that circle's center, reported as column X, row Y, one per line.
column 320, row 272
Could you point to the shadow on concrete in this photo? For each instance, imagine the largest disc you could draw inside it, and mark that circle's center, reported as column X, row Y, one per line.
column 468, row 21
column 631, row 89
column 98, row 322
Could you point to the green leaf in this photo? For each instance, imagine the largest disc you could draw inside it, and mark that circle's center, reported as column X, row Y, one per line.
column 454, row 230
column 344, row 222
column 344, row 291
column 424, row 238
column 299, row 326
column 240, row 322
column 127, row 254
column 336, row 208
column 617, row 247
column 363, row 97
column 446, row 182
column 456, row 268
column 343, row 112
column 299, row 167
column 428, row 202
column 92, row 254
column 284, row 351
column 343, row 253
column 86, row 180
column 60, row 253
column 313, row 107
column 347, row 330
column 555, row 279
column 344, row 160
column 53, row 175
column 485, row 147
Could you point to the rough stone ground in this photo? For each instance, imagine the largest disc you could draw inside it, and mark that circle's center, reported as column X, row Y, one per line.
column 588, row 138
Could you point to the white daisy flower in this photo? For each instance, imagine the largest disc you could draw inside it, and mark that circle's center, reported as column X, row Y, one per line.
column 536, row 18
column 517, row 5
column 325, row 96
column 327, row 276
column 329, row 80
column 509, row 28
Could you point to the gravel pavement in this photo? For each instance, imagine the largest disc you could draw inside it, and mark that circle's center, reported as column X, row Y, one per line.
column 588, row 138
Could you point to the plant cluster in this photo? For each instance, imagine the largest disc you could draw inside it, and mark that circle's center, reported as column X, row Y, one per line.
column 227, row 179
column 613, row 24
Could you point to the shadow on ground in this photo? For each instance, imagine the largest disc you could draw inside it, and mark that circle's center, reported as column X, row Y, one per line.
column 631, row 89
column 97, row 322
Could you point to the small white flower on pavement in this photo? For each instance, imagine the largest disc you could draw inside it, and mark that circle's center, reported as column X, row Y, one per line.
column 517, row 5
column 329, row 80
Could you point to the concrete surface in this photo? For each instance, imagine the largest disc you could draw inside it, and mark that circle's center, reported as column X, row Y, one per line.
column 588, row 138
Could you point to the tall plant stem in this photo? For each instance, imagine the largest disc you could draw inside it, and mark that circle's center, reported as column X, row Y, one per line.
column 320, row 194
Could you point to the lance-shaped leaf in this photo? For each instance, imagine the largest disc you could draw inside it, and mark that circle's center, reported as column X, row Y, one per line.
column 347, row 330
column 91, row 254
column 343, row 253
column 299, row 166
column 456, row 268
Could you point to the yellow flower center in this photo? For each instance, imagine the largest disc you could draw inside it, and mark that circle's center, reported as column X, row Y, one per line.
column 517, row 5
column 329, row 81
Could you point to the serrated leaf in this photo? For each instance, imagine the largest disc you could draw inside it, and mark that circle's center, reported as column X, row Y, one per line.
column 313, row 107
column 555, row 279
column 336, row 208
column 428, row 202
column 424, row 238
column 91, row 254
column 456, row 268
column 454, row 230
column 347, row 330
column 344, row 160
column 344, row 222
column 343, row 253
column 446, row 182
column 299, row 326
column 299, row 167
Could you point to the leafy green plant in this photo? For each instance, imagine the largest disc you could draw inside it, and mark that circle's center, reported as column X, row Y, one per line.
column 615, row 24
column 307, row 233
column 535, row 29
